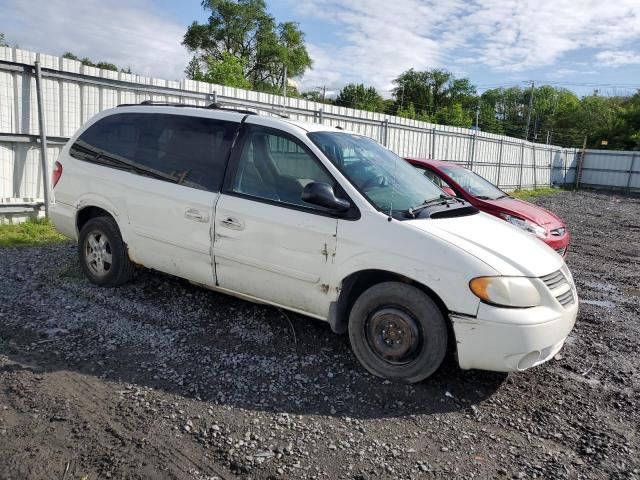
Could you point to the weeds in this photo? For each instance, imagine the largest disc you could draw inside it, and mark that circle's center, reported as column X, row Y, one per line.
column 33, row 232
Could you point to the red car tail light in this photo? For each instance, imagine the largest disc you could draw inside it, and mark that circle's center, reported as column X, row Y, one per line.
column 57, row 173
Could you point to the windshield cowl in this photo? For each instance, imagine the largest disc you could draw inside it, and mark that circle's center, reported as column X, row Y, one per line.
column 441, row 210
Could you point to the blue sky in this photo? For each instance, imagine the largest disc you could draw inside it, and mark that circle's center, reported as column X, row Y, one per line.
column 582, row 45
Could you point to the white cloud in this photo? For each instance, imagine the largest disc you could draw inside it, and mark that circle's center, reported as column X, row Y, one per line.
column 382, row 38
column 613, row 58
column 124, row 32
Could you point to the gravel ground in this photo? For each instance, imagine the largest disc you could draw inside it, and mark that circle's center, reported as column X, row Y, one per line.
column 161, row 379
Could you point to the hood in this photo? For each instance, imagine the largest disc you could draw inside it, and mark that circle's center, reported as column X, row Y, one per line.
column 504, row 247
column 526, row 210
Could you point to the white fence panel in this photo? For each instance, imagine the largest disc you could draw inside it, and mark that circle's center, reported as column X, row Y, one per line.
column 73, row 93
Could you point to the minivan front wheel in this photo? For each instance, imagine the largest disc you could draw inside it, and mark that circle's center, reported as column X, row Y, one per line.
column 103, row 254
column 398, row 332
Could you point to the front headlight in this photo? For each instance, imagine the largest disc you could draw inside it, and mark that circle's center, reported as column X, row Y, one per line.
column 506, row 291
column 525, row 225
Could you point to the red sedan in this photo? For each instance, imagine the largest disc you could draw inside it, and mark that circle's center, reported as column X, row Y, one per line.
column 461, row 182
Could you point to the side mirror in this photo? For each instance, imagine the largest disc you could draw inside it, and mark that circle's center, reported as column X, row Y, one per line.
column 322, row 195
column 449, row 191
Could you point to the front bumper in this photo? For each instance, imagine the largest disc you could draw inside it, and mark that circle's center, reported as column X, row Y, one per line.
column 559, row 243
column 512, row 339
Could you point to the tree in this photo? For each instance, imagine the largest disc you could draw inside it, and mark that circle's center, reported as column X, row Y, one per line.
column 228, row 71
column 316, row 96
column 193, row 70
column 88, row 62
column 360, row 97
column 245, row 30
column 454, row 115
column 432, row 90
column 107, row 66
column 410, row 112
column 3, row 41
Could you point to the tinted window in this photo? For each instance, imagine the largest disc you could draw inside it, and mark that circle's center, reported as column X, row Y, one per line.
column 190, row 151
column 275, row 167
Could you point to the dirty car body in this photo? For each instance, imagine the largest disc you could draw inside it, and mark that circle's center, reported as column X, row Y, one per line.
column 315, row 220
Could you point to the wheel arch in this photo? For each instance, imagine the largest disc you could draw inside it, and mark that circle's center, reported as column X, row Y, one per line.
column 88, row 212
column 356, row 283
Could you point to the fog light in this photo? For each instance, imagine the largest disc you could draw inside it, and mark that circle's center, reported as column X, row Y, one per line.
column 529, row 360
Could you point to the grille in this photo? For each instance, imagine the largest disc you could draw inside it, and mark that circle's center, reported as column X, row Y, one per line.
column 555, row 282
column 566, row 298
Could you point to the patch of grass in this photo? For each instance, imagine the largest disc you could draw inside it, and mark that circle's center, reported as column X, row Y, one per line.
column 538, row 192
column 31, row 233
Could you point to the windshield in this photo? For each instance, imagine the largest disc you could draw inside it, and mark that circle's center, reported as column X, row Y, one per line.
column 473, row 183
column 385, row 179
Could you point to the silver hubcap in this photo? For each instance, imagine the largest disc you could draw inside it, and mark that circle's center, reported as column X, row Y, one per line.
column 97, row 253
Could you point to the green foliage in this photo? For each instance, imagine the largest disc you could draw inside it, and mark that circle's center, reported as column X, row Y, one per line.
column 454, row 115
column 228, row 71
column 410, row 112
column 193, row 70
column 3, row 41
column 432, row 90
column 33, row 232
column 561, row 117
column 538, row 192
column 314, row 96
column 107, row 66
column 88, row 62
column 243, row 29
column 360, row 97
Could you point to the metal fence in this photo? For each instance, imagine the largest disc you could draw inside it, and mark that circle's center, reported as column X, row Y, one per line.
column 609, row 169
column 72, row 93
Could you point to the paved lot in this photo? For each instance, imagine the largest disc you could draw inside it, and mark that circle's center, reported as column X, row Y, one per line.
column 160, row 379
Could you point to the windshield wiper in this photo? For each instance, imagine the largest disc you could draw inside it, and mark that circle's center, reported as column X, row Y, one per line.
column 441, row 200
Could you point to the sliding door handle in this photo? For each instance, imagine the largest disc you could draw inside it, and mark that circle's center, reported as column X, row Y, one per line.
column 232, row 223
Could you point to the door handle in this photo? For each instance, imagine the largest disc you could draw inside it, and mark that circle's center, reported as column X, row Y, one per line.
column 195, row 215
column 232, row 223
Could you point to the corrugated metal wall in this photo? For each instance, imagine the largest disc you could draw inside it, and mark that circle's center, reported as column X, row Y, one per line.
column 73, row 93
column 611, row 168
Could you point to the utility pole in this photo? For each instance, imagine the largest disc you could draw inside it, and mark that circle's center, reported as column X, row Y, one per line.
column 323, row 89
column 526, row 135
column 477, row 116
column 284, row 82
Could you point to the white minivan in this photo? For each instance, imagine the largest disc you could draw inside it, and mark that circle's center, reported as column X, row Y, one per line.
column 315, row 220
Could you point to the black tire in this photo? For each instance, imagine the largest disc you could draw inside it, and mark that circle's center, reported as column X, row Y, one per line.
column 112, row 254
column 398, row 332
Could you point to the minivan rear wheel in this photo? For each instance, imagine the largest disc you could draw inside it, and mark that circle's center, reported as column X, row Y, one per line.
column 398, row 332
column 103, row 254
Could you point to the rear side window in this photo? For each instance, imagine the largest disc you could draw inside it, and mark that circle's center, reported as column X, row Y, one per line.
column 190, row 151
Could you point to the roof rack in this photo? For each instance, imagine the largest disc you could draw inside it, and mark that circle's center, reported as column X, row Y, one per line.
column 211, row 106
